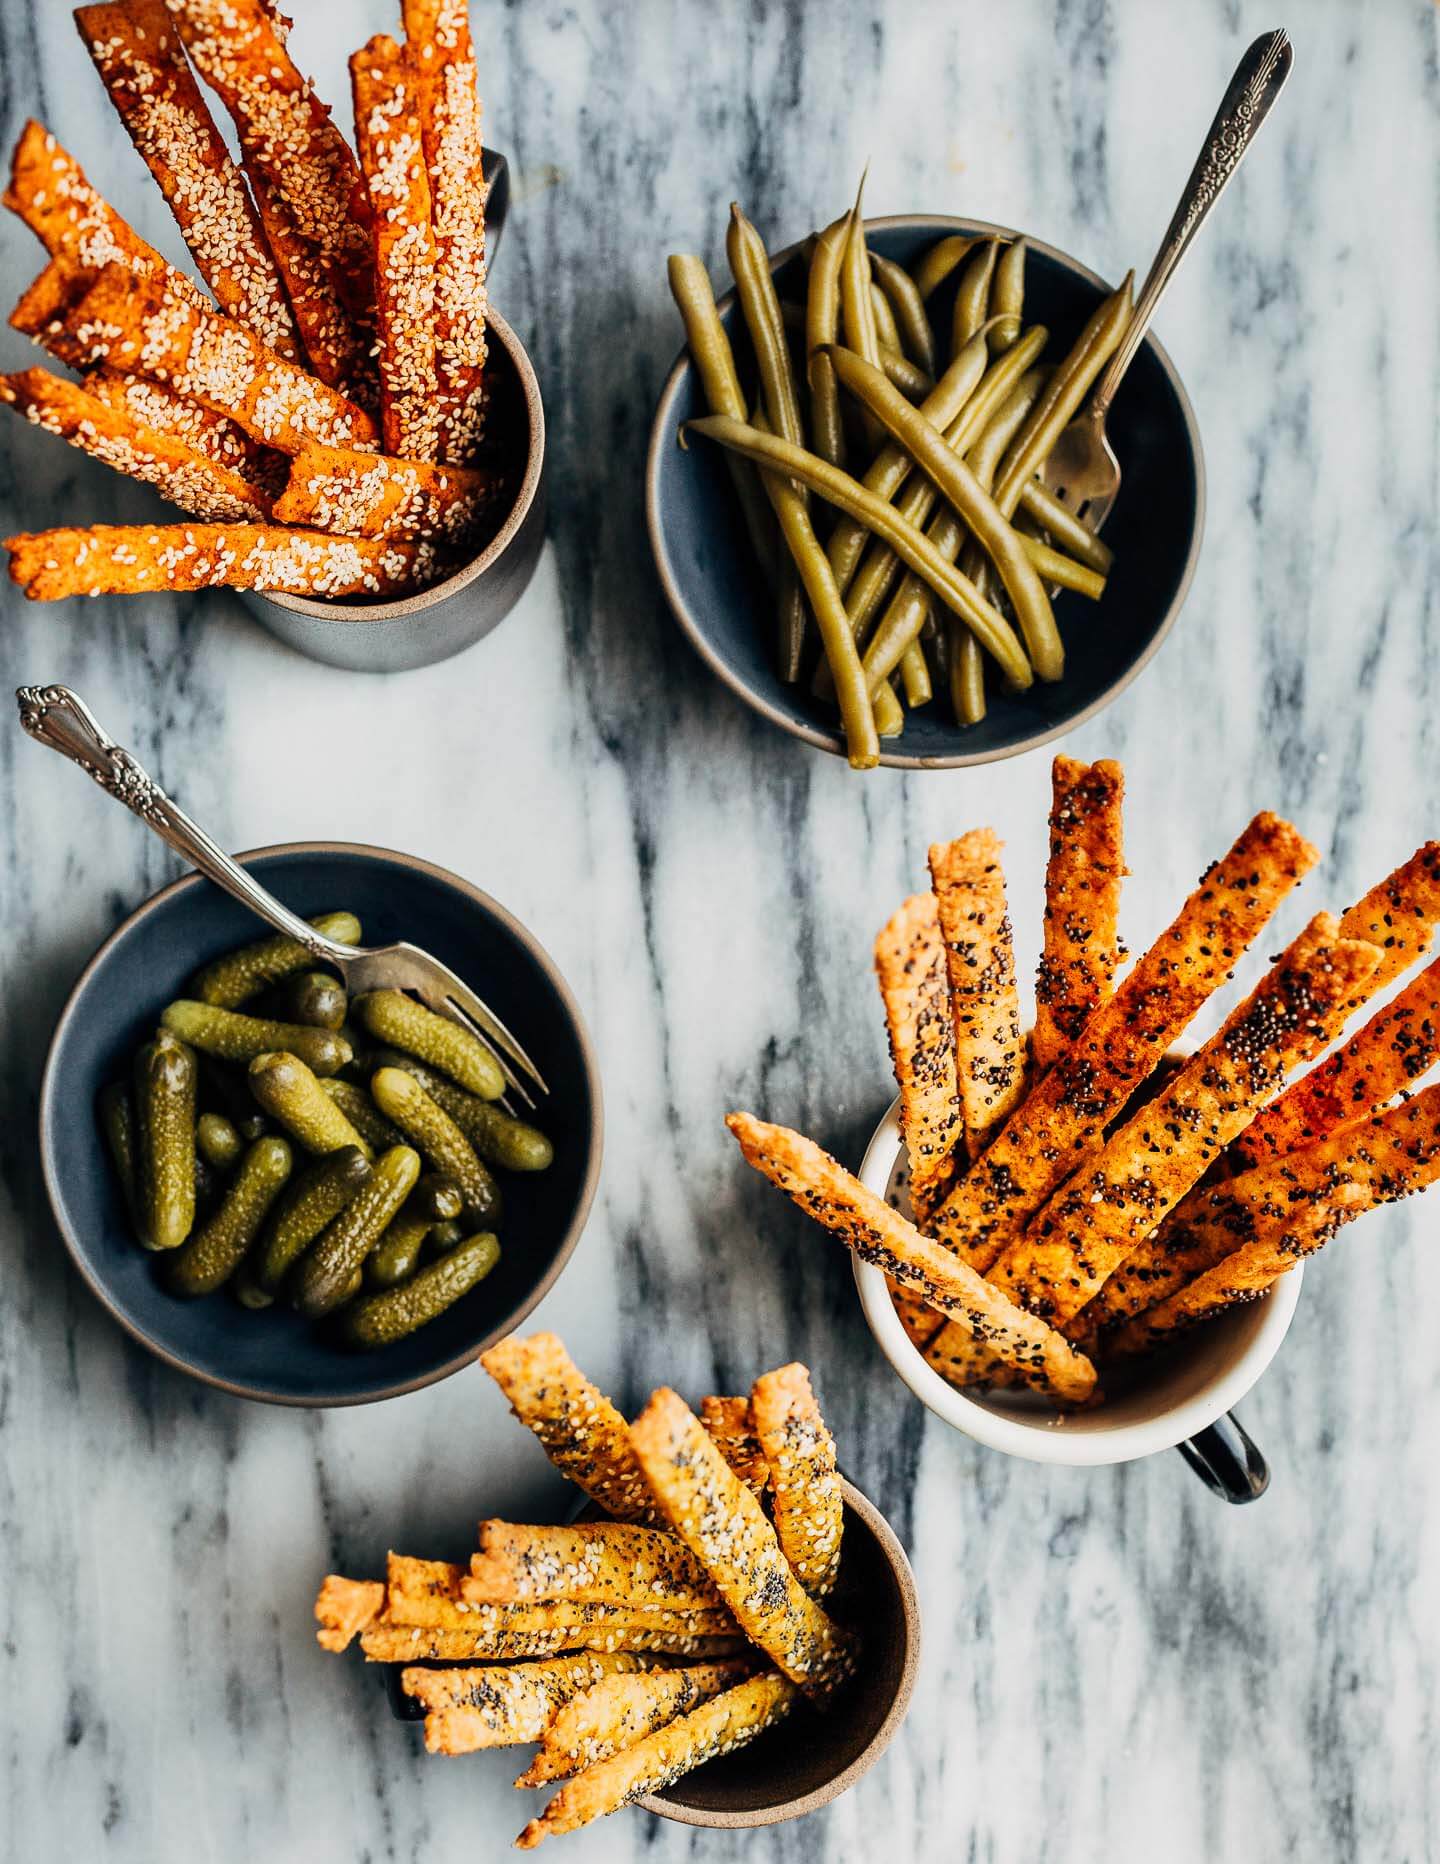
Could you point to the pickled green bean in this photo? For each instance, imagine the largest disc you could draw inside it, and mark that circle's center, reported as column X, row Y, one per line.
column 1057, row 568
column 1066, row 531
column 908, row 308
column 1007, row 297
column 887, row 331
column 822, row 323
column 909, row 379
column 941, row 260
column 915, row 672
column 972, row 296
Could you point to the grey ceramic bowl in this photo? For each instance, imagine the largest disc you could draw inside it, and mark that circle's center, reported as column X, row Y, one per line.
column 451, row 615
column 715, row 590
column 276, row 1355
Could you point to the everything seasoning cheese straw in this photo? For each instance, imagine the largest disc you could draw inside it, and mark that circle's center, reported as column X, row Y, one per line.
column 1081, row 952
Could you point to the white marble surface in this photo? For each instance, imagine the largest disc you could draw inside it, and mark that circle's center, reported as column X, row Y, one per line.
column 1115, row 1664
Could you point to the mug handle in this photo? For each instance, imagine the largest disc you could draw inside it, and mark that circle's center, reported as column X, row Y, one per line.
column 1227, row 1460
column 497, row 200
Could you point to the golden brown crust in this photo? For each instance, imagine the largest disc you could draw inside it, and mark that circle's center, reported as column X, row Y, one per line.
column 717, row 1727
column 599, row 1562
column 150, row 404
column 345, row 1608
column 142, row 65
column 435, row 1594
column 1082, row 903
column 910, row 964
column 137, row 559
column 579, row 1429
column 388, row 135
column 371, row 495
column 806, row 1501
column 616, row 1712
column 730, row 1423
column 723, row 1525
column 186, row 477
column 1399, row 915
column 389, row 1643
column 969, row 887
column 878, row 1234
column 471, row 1687
column 495, row 1705
column 1123, row 1190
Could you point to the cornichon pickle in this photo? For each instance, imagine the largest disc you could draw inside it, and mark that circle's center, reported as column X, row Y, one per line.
column 395, row 1018
column 380, row 1319
column 165, row 1141
column 438, row 1196
column 311, row 1201
column 443, row 1236
column 117, row 1121
column 217, row 1249
column 323, row 1279
column 361, row 1111
column 230, row 1036
column 426, row 1124
column 227, row 1091
column 394, row 1257
column 313, row 998
column 219, row 1141
column 247, row 1290
column 497, row 1136
column 290, row 1093
column 239, row 974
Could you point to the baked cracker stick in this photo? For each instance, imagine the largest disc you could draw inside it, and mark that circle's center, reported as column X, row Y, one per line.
column 717, row 1727
column 806, row 1502
column 136, row 559
column 143, row 66
column 1215, row 1220
column 392, row 157
column 186, row 477
column 600, row 1562
column 437, row 37
column 42, row 311
column 1081, row 952
column 387, row 1643
column 433, row 1593
column 137, row 323
column 579, row 1429
column 307, row 186
column 984, row 1002
column 730, row 1423
column 346, row 1607
column 1122, row 1191
column 920, row 1321
column 618, row 1711
column 724, row 1526
column 495, row 1706
column 50, row 193
column 371, row 495
column 151, row 404
column 878, row 1234
column 1122, row 1043
column 910, row 964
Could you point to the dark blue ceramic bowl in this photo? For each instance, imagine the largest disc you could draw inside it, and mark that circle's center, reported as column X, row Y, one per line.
column 275, row 1355
column 713, row 586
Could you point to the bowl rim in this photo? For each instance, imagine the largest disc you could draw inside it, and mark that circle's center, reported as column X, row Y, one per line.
column 662, row 436
column 779, row 1814
column 411, row 607
column 1126, row 1442
column 584, row 1200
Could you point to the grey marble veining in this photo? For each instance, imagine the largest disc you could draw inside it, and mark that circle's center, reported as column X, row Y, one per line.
column 1115, row 1665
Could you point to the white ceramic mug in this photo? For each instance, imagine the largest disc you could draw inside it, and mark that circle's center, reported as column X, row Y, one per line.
column 1183, row 1403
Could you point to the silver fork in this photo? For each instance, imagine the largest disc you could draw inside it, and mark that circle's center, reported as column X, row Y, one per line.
column 55, row 716
column 1082, row 468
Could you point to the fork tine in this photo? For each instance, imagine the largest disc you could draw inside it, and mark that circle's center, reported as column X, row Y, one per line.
column 495, row 1031
column 460, row 1012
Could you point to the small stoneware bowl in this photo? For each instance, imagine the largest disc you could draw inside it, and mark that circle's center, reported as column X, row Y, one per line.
column 716, row 592
column 1180, row 1401
column 276, row 1355
column 451, row 615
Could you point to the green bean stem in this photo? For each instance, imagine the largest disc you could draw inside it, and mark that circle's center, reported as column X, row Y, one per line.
column 1007, row 297
column 972, row 296
column 822, row 322
column 941, row 260
column 908, row 308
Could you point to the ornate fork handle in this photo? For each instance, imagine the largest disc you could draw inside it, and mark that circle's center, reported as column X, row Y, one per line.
column 1256, row 84
column 55, row 716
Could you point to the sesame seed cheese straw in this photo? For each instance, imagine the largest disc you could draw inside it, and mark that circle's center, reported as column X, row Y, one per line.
column 371, row 495
column 600, row 1562
column 717, row 1727
column 493, row 1706
column 1123, row 1191
column 969, row 887
column 473, row 1687
column 579, row 1429
column 143, row 66
column 307, row 186
column 43, row 309
column 1081, row 952
column 1123, row 1042
column 619, row 1711
column 127, row 322
column 731, row 1424
column 50, row 193
column 806, row 1501
column 437, row 36
column 150, row 404
column 135, row 559
column 392, row 158
column 494, row 1642
column 183, row 475
column 725, row 1528
column 910, row 964
column 1378, row 1152
column 431, row 1593
column 878, row 1234
column 345, row 1608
